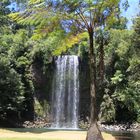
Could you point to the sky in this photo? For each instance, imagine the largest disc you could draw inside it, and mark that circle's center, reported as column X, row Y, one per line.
column 131, row 12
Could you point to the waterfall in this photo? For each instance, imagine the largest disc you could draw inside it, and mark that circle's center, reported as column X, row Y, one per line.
column 65, row 92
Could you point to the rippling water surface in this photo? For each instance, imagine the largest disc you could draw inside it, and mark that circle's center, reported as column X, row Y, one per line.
column 126, row 135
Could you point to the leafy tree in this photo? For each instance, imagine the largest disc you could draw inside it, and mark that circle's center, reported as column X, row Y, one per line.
column 16, row 80
column 21, row 61
column 107, row 111
column 4, row 11
column 116, row 65
column 121, row 87
column 133, row 69
column 12, row 91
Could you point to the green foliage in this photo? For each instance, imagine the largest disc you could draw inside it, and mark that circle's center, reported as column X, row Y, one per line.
column 41, row 109
column 118, row 77
column 3, row 13
column 65, row 28
column 40, row 52
column 107, row 112
column 119, row 42
column 123, row 77
column 133, row 69
column 12, row 90
column 69, row 42
column 16, row 81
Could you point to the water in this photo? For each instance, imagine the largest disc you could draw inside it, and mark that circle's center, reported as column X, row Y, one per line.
column 126, row 135
column 65, row 92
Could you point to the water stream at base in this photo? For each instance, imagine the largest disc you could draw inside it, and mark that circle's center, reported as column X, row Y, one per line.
column 65, row 92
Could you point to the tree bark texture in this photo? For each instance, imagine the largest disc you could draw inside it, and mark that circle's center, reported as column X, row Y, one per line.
column 101, row 61
column 93, row 132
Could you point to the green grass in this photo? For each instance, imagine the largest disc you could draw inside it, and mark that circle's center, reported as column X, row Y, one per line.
column 44, row 134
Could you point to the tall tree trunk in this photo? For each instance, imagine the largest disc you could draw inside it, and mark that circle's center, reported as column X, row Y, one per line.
column 100, row 69
column 101, row 61
column 93, row 132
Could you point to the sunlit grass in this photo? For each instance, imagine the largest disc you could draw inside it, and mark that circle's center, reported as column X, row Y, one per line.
column 44, row 134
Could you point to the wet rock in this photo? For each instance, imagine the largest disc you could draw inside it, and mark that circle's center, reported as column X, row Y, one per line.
column 112, row 127
column 120, row 127
column 37, row 123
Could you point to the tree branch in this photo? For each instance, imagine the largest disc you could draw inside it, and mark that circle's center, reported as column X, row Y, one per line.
column 83, row 18
column 97, row 13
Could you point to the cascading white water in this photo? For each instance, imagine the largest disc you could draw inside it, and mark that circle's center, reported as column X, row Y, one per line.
column 65, row 92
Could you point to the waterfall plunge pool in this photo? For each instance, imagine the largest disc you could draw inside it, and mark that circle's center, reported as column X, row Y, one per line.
column 125, row 135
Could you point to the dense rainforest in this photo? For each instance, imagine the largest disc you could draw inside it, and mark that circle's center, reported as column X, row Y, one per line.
column 29, row 44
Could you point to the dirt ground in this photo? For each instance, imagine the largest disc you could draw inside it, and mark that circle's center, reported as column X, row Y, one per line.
column 49, row 135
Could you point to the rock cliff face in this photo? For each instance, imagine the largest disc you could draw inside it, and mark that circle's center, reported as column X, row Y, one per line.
column 42, row 82
column 42, row 79
column 84, row 104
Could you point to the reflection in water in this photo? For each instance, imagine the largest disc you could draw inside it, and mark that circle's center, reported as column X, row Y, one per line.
column 123, row 138
column 126, row 135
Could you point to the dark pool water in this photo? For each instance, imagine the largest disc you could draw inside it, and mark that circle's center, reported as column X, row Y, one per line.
column 126, row 135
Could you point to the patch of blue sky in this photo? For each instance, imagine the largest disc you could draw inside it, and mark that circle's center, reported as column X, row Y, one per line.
column 16, row 7
column 132, row 11
column 13, row 6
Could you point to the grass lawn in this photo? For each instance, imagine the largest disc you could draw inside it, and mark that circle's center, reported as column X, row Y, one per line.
column 44, row 134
